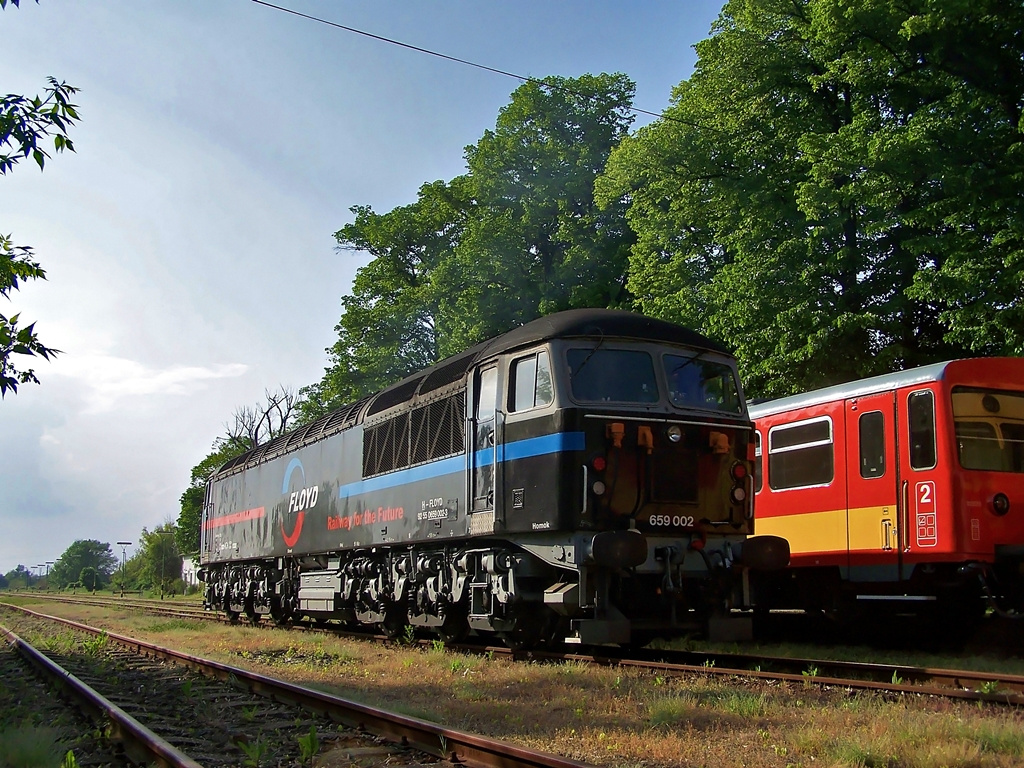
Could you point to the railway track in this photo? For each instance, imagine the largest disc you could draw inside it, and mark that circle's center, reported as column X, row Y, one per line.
column 233, row 703
column 961, row 684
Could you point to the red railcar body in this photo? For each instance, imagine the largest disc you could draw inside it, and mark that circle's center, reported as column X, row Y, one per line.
column 901, row 490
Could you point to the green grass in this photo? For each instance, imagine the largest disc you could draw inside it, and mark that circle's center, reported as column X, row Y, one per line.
column 30, row 747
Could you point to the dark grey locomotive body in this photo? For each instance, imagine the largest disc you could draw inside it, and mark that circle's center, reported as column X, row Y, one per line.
column 552, row 483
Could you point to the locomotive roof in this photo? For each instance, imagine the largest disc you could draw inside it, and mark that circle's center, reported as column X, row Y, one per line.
column 572, row 323
column 858, row 388
column 607, row 323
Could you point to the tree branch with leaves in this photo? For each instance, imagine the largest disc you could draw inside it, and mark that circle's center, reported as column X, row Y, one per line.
column 25, row 125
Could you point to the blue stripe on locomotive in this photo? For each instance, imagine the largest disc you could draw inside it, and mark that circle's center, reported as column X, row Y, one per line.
column 521, row 449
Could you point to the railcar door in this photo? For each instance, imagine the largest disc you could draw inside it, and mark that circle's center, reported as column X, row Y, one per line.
column 874, row 516
column 484, row 453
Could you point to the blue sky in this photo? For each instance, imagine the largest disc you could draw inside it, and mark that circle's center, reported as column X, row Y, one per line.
column 188, row 241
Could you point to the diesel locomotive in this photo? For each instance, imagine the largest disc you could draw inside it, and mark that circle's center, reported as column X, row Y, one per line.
column 902, row 492
column 583, row 478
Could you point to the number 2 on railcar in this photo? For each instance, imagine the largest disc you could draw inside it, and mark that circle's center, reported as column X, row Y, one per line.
column 903, row 491
column 585, row 477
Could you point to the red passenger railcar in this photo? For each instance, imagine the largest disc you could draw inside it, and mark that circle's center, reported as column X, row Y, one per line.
column 904, row 490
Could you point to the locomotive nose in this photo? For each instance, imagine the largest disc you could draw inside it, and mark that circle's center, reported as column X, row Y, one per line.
column 619, row 549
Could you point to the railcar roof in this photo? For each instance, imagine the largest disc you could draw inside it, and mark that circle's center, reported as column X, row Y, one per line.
column 572, row 323
column 858, row 388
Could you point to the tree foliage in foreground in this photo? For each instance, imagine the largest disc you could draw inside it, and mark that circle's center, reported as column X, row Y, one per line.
column 835, row 192
column 517, row 236
column 25, row 124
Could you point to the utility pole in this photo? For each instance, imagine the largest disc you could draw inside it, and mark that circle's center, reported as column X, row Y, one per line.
column 163, row 559
column 124, row 559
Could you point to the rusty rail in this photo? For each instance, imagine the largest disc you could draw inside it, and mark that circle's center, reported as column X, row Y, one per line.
column 141, row 744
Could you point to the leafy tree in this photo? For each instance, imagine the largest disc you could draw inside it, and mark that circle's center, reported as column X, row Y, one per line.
column 516, row 237
column 84, row 553
column 89, row 579
column 536, row 242
column 4, row 583
column 25, row 123
column 19, row 578
column 161, row 561
column 836, row 176
column 390, row 323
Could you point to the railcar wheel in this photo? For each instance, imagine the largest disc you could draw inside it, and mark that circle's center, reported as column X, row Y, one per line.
column 252, row 616
column 232, row 615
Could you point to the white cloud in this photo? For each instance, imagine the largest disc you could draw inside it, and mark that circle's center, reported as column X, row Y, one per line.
column 108, row 380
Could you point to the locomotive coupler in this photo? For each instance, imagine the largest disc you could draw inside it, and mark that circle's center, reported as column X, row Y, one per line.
column 669, row 555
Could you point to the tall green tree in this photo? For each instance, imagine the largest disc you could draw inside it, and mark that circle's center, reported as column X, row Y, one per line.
column 821, row 179
column 516, row 237
column 392, row 322
column 84, row 553
column 161, row 560
column 536, row 242
column 26, row 123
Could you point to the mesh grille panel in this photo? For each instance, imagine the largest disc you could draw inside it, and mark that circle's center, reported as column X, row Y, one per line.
column 437, row 429
column 386, row 446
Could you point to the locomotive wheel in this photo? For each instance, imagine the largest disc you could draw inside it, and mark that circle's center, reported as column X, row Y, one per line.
column 528, row 631
column 279, row 614
column 395, row 621
column 454, row 627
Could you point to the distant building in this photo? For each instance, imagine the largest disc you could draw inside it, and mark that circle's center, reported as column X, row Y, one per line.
column 189, row 569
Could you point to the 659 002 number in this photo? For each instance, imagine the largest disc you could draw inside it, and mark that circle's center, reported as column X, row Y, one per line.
column 675, row 521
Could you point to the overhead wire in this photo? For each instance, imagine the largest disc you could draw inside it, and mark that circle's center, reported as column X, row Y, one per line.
column 455, row 59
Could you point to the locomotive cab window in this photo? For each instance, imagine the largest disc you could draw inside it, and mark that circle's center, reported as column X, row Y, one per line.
column 921, row 409
column 871, row 427
column 801, row 454
column 531, row 382
column 697, row 383
column 989, row 428
column 612, row 375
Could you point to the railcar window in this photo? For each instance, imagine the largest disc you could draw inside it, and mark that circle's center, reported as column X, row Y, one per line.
column 801, row 454
column 921, row 407
column 696, row 383
column 612, row 375
column 989, row 426
column 758, row 460
column 872, row 444
column 531, row 382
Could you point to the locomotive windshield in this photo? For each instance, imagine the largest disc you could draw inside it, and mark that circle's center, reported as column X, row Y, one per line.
column 697, row 383
column 612, row 375
column 989, row 429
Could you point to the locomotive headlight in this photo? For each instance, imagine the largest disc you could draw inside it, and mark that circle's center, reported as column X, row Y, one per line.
column 739, row 493
column 1000, row 504
column 598, row 488
column 675, row 433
